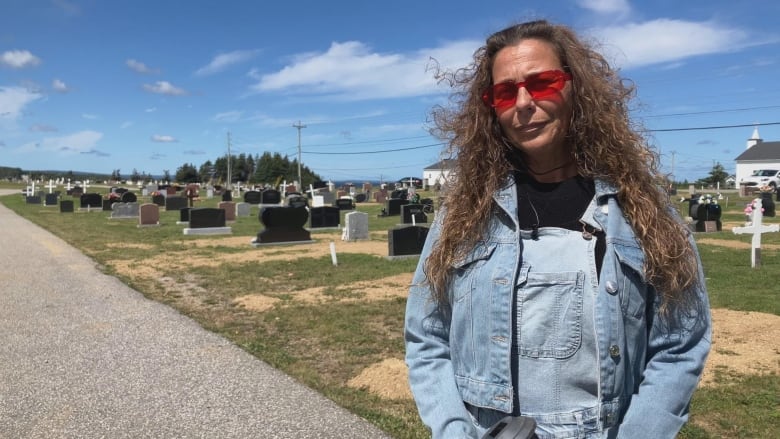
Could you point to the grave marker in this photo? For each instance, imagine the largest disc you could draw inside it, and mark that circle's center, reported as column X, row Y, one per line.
column 356, row 226
column 149, row 215
column 283, row 225
column 406, row 241
column 756, row 228
column 324, row 217
column 66, row 206
column 207, row 221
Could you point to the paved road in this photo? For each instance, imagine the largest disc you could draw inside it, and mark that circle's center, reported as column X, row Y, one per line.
column 84, row 356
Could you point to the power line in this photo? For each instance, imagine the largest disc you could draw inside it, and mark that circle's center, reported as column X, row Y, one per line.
column 717, row 127
column 375, row 152
column 693, row 113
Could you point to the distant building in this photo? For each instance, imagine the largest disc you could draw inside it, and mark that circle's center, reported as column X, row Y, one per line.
column 438, row 172
column 757, row 155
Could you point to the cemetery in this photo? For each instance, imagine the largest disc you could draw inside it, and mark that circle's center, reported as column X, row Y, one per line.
column 270, row 281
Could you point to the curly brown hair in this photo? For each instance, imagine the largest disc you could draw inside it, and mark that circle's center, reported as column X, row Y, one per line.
column 602, row 139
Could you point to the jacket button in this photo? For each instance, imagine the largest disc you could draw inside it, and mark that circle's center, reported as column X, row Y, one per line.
column 614, row 351
column 611, row 287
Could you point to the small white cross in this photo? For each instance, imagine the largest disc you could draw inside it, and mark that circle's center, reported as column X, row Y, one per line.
column 51, row 185
column 756, row 228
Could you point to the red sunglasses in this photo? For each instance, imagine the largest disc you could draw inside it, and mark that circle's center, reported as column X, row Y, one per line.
column 540, row 85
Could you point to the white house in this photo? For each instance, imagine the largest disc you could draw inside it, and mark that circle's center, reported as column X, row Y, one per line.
column 757, row 155
column 438, row 172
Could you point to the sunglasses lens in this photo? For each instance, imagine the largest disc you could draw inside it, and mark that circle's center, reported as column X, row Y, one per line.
column 544, row 84
column 504, row 95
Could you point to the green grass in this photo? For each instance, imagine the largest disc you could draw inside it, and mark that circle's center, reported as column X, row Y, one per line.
column 326, row 343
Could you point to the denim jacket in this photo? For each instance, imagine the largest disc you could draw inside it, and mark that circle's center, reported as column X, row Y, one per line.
column 649, row 367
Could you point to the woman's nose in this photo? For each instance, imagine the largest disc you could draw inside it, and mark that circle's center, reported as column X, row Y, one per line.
column 524, row 100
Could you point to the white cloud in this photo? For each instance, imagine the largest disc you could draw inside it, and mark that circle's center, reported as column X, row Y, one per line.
column 151, row 109
column 18, row 59
column 59, row 86
column 89, row 116
column 139, row 67
column 667, row 40
column 351, row 71
column 80, row 142
column 41, row 128
column 606, row 6
column 164, row 88
column 225, row 60
column 163, row 139
column 125, row 125
column 14, row 99
column 228, row 116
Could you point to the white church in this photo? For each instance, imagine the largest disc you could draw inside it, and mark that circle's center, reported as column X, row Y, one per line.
column 757, row 155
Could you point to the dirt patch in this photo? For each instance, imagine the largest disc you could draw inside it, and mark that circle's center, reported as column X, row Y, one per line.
column 387, row 379
column 743, row 343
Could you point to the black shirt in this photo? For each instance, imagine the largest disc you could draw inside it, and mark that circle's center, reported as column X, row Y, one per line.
column 560, row 204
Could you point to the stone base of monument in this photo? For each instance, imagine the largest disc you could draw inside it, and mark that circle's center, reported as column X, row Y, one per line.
column 208, row 231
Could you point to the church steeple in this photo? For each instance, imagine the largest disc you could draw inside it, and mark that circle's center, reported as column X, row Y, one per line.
column 754, row 139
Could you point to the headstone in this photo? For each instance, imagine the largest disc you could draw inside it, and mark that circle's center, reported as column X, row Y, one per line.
column 149, row 215
column 317, row 201
column 708, row 213
column 324, row 217
column 297, row 200
column 227, row 195
column 90, row 201
column 108, row 203
column 51, row 199
column 243, row 209
column 207, row 221
column 129, row 197
column 174, row 203
column 344, row 204
column 253, row 197
column 271, row 196
column 394, row 206
column 406, row 241
column 66, row 206
column 413, row 214
column 756, row 228
column 283, row 225
column 124, row 211
column 230, row 210
column 158, row 199
column 33, row 199
column 381, row 196
column 184, row 215
column 360, row 198
column 170, row 190
column 768, row 203
column 355, row 226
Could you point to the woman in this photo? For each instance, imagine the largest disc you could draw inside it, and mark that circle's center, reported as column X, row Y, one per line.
column 557, row 282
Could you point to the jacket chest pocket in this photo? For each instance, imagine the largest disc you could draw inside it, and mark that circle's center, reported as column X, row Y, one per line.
column 472, row 271
column 629, row 280
column 549, row 313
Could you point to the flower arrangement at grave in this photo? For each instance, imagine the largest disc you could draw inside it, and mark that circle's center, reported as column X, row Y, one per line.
column 766, row 189
column 113, row 196
column 749, row 208
column 154, row 193
column 708, row 199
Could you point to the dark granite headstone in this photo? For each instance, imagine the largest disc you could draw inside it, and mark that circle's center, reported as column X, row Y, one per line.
column 768, row 204
column 108, row 202
column 175, row 203
column 184, row 214
column 33, row 199
column 706, row 213
column 344, row 203
column 66, row 206
column 227, row 195
column 409, row 211
column 51, row 199
column 253, row 197
column 120, row 191
column 129, row 197
column 283, row 224
column 404, row 241
column 319, row 184
column 271, row 196
column 203, row 217
column 77, row 191
column 325, row 216
column 400, row 193
column 394, row 206
column 297, row 200
column 361, row 198
column 90, row 201
column 158, row 199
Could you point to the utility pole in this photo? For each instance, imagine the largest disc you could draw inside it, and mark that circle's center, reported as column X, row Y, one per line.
column 299, row 126
column 229, row 171
column 673, row 153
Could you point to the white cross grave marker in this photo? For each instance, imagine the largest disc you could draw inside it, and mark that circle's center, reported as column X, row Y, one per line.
column 68, row 184
column 51, row 185
column 756, row 228
column 86, row 185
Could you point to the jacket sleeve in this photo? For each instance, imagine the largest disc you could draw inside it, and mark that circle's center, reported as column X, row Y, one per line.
column 431, row 375
column 677, row 351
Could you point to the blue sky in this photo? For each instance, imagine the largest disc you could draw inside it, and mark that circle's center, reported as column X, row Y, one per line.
column 91, row 85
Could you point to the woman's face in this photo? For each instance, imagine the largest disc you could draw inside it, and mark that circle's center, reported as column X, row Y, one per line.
column 537, row 127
